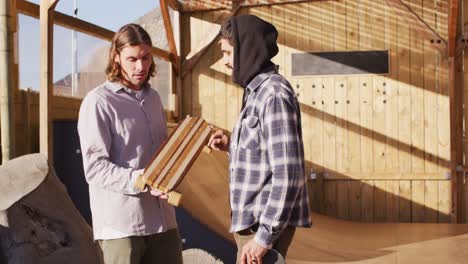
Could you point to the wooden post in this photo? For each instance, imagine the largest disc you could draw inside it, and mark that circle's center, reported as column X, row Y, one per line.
column 6, row 80
column 46, row 91
column 456, row 108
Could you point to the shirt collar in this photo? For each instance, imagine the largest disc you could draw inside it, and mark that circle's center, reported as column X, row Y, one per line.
column 259, row 79
column 117, row 86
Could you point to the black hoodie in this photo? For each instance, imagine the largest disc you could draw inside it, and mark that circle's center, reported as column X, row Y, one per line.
column 254, row 42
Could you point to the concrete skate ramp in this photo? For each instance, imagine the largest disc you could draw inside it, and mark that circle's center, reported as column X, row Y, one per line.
column 205, row 197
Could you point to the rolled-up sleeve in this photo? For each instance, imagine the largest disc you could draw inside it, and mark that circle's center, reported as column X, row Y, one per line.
column 283, row 142
column 94, row 129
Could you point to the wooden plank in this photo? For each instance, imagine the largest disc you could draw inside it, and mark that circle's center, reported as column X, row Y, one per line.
column 417, row 200
column 343, row 200
column 342, row 159
column 379, row 122
column 391, row 97
column 405, row 201
column 329, row 129
column 45, row 97
column 443, row 201
column 196, row 29
column 392, row 201
column 31, row 9
column 430, row 95
column 355, row 200
column 367, row 157
column 404, row 98
column 161, row 177
column 367, row 201
column 169, row 34
column 330, row 189
column 334, row 175
column 339, row 43
column 277, row 18
column 452, row 26
column 328, row 92
column 190, row 154
column 289, row 33
column 353, row 89
column 191, row 6
column 430, row 201
column 186, row 46
column 417, row 95
column 380, row 201
column 28, row 121
column 316, row 120
column 365, row 86
column 377, row 40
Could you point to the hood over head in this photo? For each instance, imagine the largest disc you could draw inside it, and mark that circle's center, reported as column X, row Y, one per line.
column 254, row 42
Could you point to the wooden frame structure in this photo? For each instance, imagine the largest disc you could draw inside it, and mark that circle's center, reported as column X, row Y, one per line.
column 182, row 64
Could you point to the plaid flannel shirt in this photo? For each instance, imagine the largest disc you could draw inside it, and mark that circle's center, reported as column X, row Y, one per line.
column 266, row 161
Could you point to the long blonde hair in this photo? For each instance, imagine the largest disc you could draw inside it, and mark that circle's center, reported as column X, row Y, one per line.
column 128, row 35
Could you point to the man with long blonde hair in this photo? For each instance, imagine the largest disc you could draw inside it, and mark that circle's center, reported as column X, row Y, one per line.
column 121, row 125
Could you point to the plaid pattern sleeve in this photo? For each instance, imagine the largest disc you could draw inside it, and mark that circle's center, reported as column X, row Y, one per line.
column 268, row 184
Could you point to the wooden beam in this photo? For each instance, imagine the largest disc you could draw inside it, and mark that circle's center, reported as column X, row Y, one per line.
column 174, row 4
column 210, row 5
column 195, row 55
column 169, row 34
column 424, row 30
column 46, row 89
column 452, row 27
column 73, row 23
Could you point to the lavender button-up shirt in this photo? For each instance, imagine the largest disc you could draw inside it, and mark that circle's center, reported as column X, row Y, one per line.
column 120, row 130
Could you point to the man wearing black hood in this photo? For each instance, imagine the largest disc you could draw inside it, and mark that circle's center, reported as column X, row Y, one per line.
column 268, row 193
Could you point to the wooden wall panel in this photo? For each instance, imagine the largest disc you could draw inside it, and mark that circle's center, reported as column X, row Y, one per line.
column 377, row 147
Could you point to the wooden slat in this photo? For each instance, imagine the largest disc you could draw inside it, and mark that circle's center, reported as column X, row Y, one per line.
column 404, row 202
column 277, row 18
column 169, row 34
column 391, row 96
column 197, row 33
column 185, row 47
column 328, row 92
column 431, row 196
column 452, row 26
column 417, row 200
column 355, row 203
column 404, row 98
column 152, row 171
column 343, row 199
column 365, row 87
column 443, row 201
column 430, row 95
column 73, row 23
column 206, row 77
column 205, row 5
column 367, row 201
column 330, row 198
column 417, row 93
column 353, row 90
column 392, row 201
column 380, row 201
column 184, row 142
column 46, row 68
column 190, row 152
column 339, row 44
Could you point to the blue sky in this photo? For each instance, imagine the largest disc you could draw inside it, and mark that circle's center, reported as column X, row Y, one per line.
column 110, row 14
